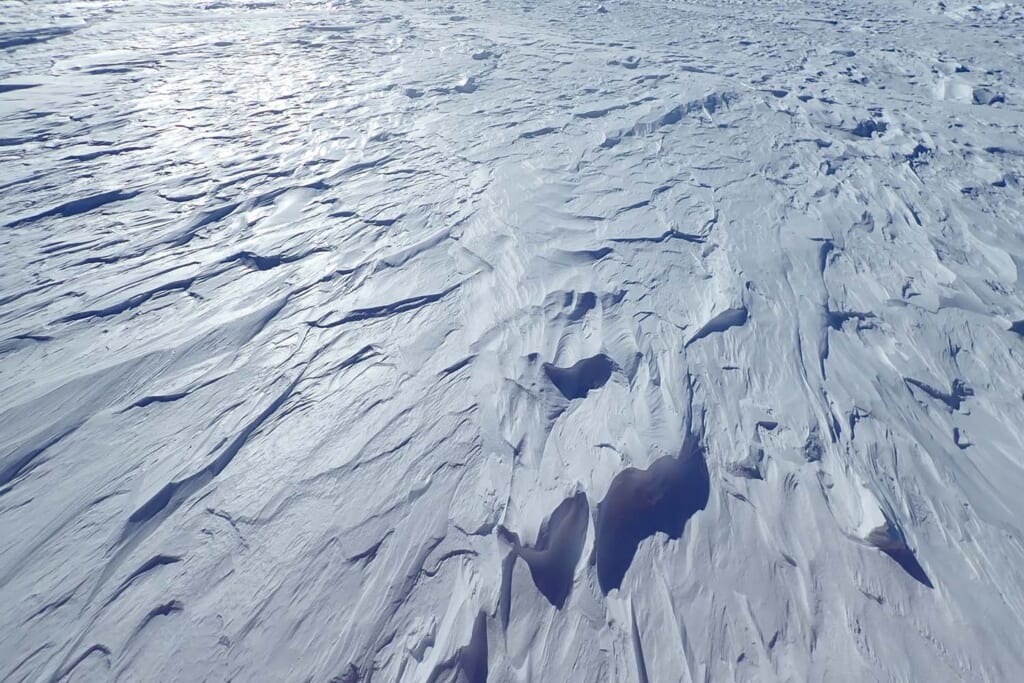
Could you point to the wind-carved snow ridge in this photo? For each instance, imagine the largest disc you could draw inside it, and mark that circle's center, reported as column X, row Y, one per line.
column 511, row 341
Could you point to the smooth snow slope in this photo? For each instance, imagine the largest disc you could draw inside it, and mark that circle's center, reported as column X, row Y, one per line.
column 348, row 340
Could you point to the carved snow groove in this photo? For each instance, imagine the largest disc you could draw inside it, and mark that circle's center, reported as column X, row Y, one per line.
column 958, row 391
column 582, row 377
column 553, row 558
column 469, row 664
column 890, row 540
column 731, row 317
column 174, row 493
column 641, row 503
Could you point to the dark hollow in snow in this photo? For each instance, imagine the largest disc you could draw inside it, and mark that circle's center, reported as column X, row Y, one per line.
column 905, row 558
column 732, row 317
column 868, row 127
column 890, row 540
column 638, row 650
column 473, row 657
column 469, row 665
column 587, row 374
column 78, row 206
column 958, row 391
column 641, row 503
column 553, row 559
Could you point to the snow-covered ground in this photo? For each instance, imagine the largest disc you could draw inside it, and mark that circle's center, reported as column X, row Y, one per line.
column 511, row 340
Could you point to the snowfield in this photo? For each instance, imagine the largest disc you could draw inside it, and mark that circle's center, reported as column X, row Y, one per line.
column 510, row 340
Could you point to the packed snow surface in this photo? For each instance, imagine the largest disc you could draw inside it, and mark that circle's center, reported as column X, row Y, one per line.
column 510, row 340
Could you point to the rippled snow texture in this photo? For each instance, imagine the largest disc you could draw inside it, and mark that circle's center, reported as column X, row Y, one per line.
column 314, row 314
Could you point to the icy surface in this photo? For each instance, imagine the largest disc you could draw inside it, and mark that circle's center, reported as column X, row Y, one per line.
column 350, row 340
